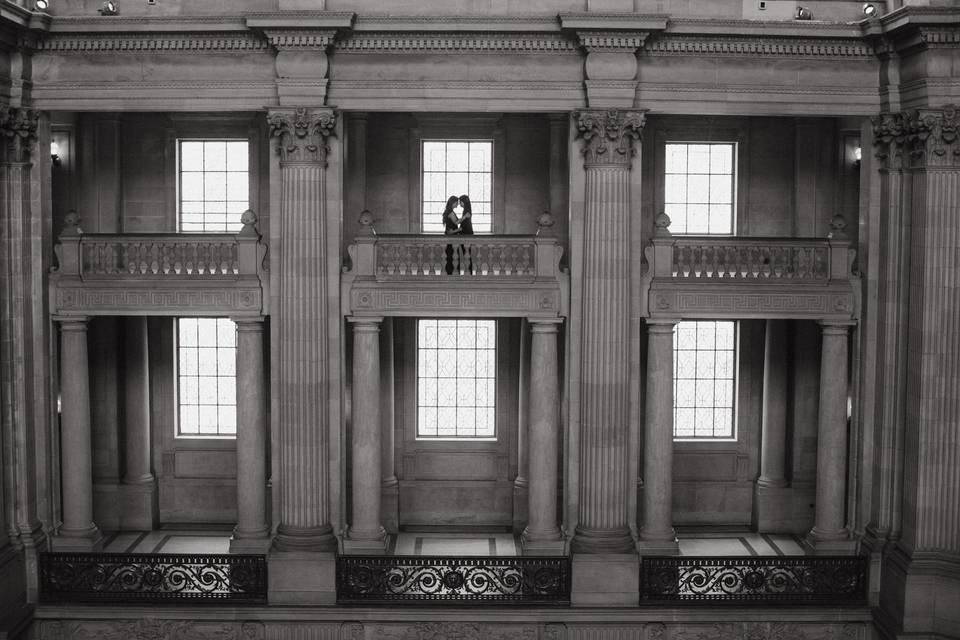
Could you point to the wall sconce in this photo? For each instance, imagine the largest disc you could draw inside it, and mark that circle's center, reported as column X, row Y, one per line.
column 857, row 155
column 55, row 154
column 803, row 13
column 109, row 8
column 869, row 9
column 41, row 5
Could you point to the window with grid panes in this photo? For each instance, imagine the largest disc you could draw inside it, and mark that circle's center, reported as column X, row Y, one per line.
column 206, row 377
column 213, row 185
column 456, row 168
column 699, row 198
column 456, row 379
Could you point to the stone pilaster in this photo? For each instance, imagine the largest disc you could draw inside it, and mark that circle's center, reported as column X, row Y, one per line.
column 390, row 486
column 78, row 531
column 252, row 533
column 830, row 533
column 608, row 150
column 302, row 316
column 140, row 491
column 657, row 535
column 773, row 506
column 542, row 535
column 366, row 534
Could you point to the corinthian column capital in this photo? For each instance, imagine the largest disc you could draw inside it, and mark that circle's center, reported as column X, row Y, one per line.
column 930, row 137
column 608, row 135
column 301, row 133
column 19, row 130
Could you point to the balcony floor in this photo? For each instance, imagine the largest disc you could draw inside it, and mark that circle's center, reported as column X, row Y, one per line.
column 174, row 540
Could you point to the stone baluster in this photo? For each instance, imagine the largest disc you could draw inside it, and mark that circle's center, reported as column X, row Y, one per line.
column 608, row 150
column 302, row 317
column 78, row 531
column 366, row 534
column 252, row 533
column 542, row 535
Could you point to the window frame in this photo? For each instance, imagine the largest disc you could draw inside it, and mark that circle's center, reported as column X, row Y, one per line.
column 423, row 174
column 735, row 391
column 178, row 179
column 734, row 186
column 493, row 397
column 178, row 435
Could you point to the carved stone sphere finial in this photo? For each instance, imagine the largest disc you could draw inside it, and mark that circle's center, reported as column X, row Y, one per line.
column 71, row 224
column 249, row 220
column 838, row 227
column 544, row 222
column 662, row 224
column 366, row 223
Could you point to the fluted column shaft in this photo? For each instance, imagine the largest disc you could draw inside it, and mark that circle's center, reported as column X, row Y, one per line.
column 544, row 436
column 303, row 378
column 773, row 442
column 137, row 401
column 251, row 532
column 78, row 530
column 604, row 361
column 365, row 444
column 829, row 522
column 657, row 529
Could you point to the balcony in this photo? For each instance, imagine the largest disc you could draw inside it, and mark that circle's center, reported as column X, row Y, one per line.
column 722, row 277
column 445, row 276
column 160, row 274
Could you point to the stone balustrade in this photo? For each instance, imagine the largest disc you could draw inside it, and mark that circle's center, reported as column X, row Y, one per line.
column 115, row 256
column 734, row 277
column 482, row 275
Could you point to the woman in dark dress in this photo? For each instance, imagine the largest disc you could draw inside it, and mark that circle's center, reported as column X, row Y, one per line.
column 466, row 229
column 451, row 227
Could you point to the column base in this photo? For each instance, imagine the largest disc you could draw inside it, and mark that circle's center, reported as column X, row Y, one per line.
column 371, row 544
column 390, row 505
column 294, row 539
column 773, row 508
column 542, row 546
column 301, row 578
column 250, row 542
column 79, row 541
column 606, row 541
column 830, row 542
column 140, row 509
column 605, row 580
column 658, row 547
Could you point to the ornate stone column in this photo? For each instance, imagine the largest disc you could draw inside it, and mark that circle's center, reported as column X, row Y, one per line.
column 78, row 531
column 140, row 506
column 829, row 533
column 772, row 509
column 302, row 317
column 390, row 486
column 657, row 534
column 366, row 534
column 608, row 150
column 252, row 533
column 542, row 535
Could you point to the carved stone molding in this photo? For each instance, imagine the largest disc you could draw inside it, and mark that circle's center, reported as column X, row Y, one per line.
column 152, row 42
column 416, row 300
column 149, row 629
column 926, row 137
column 302, row 133
column 608, row 135
column 19, row 130
column 612, row 41
column 170, row 300
column 447, row 42
column 301, row 39
column 767, row 631
column 752, row 47
column 456, row 631
column 935, row 38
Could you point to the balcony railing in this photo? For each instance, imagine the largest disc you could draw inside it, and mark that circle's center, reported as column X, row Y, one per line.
column 160, row 273
column 774, row 580
column 734, row 277
column 453, row 580
column 152, row 578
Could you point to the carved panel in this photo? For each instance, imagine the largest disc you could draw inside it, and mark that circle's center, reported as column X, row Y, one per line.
column 456, row 631
column 487, row 302
column 162, row 301
column 149, row 629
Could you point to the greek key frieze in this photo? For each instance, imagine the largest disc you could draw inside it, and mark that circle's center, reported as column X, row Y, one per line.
column 387, row 300
column 815, row 303
column 105, row 300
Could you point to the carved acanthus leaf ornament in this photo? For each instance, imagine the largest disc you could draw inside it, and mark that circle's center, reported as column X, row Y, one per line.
column 608, row 135
column 927, row 136
column 302, row 133
column 19, row 130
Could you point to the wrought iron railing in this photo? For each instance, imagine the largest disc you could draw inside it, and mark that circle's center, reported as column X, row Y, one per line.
column 153, row 578
column 455, row 580
column 831, row 580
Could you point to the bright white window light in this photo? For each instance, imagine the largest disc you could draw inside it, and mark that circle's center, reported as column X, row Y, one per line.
column 213, row 185
column 457, row 168
column 207, row 377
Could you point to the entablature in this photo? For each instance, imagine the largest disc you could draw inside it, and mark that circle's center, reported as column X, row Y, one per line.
column 160, row 274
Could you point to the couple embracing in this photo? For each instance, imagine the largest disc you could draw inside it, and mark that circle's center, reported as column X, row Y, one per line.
column 458, row 260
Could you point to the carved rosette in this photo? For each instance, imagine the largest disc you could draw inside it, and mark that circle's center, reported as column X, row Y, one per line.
column 608, row 135
column 19, row 130
column 302, row 133
column 918, row 137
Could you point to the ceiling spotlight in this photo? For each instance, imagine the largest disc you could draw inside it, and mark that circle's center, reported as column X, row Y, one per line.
column 109, row 8
column 42, row 5
column 803, row 13
column 869, row 9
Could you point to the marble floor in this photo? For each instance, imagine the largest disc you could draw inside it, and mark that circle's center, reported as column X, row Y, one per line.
column 172, row 540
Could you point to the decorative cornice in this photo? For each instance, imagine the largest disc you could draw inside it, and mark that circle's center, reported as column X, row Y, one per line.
column 301, row 39
column 157, row 42
column 940, row 37
column 302, row 133
column 667, row 44
column 612, row 41
column 930, row 137
column 375, row 42
column 19, row 130
column 608, row 135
